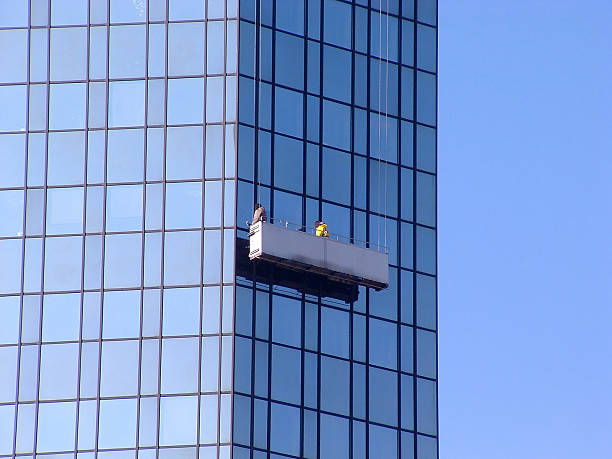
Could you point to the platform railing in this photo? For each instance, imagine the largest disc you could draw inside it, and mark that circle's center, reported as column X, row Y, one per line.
column 335, row 236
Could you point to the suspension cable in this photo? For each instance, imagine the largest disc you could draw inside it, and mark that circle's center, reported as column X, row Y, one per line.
column 379, row 184
column 256, row 79
column 386, row 121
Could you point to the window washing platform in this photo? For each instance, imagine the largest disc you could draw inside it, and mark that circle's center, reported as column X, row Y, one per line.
column 316, row 265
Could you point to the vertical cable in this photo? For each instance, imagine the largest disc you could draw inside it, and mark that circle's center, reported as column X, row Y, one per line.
column 379, row 185
column 255, row 69
column 386, row 122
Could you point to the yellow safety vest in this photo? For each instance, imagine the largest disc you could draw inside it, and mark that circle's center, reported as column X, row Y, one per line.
column 322, row 230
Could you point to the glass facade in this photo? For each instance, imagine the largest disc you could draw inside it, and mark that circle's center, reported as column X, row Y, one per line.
column 136, row 137
column 117, row 197
column 337, row 119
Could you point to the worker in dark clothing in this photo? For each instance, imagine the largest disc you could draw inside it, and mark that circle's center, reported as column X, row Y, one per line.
column 259, row 214
column 321, row 229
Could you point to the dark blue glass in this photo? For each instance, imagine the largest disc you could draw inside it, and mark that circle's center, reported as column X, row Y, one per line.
column 289, row 59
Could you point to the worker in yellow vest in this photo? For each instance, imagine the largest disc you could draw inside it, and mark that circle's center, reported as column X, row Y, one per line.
column 321, row 229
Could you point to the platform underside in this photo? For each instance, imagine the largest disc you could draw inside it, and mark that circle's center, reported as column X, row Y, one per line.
column 293, row 275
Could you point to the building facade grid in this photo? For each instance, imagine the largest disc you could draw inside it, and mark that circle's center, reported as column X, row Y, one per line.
column 341, row 127
column 139, row 137
column 117, row 304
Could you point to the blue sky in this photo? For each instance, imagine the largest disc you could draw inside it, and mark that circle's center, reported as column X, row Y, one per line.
column 525, row 238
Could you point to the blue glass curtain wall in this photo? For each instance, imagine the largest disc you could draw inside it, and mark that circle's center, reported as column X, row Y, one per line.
column 337, row 121
column 117, row 197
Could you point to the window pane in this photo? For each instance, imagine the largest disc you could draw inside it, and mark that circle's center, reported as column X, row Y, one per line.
column 215, row 51
column 9, row 328
column 63, row 263
column 426, row 250
column 426, row 148
column 408, row 43
column 184, row 153
column 426, row 301
column 178, row 420
column 64, row 210
column 183, row 205
column 10, row 269
column 407, row 402
column 210, row 364
column 179, row 365
column 51, row 415
column 407, row 349
column 69, row 53
column 285, row 429
column 212, row 256
column 61, row 317
column 337, row 24
column 68, row 12
column 383, row 36
column 426, row 48
column 288, row 154
column 290, row 60
column 209, row 418
column 182, row 258
column 126, row 103
column 336, row 125
column 426, row 353
column 383, row 86
column 13, row 60
column 121, row 314
column 383, row 396
column 157, row 50
column 383, row 343
column 383, row 441
column 181, row 311
column 335, row 383
column 383, row 137
column 286, row 374
column 426, row 407
column 214, row 99
column 427, row 11
column 337, row 176
column 212, row 208
column 185, row 100
column 426, row 199
column 427, row 447
column 335, row 334
column 335, row 437
column 14, row 97
column 122, row 11
column 125, row 162
column 117, row 423
column 13, row 14
column 426, row 98
column 337, row 73
column 286, row 321
column 119, row 368
column 186, row 9
column 290, row 16
column 122, row 260
column 127, row 51
column 66, row 158
column 8, row 360
column 186, row 48
column 288, row 112
column 11, row 209
column 124, row 208
column 97, row 52
column 67, row 106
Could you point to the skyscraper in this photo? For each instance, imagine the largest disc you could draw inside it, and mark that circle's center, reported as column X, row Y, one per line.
column 135, row 139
